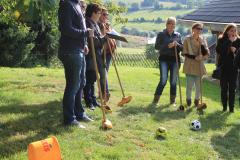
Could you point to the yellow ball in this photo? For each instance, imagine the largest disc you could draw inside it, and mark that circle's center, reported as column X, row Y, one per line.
column 161, row 131
column 16, row 14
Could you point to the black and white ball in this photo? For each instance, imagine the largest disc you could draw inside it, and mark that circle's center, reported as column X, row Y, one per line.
column 196, row 125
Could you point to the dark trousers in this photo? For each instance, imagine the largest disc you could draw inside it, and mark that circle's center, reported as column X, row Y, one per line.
column 108, row 62
column 228, row 86
column 74, row 67
column 89, row 89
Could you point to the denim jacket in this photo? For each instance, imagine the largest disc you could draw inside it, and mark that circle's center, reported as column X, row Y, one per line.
column 162, row 41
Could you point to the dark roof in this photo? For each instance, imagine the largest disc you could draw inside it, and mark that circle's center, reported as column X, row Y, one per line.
column 220, row 11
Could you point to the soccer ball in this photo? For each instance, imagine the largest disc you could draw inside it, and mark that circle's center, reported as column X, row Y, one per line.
column 196, row 125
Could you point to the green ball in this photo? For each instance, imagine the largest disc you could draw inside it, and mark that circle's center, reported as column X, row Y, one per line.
column 161, row 131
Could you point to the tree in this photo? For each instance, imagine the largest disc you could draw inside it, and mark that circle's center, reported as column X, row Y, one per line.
column 156, row 5
column 190, row 4
column 33, row 25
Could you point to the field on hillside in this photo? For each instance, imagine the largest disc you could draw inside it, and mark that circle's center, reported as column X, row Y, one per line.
column 129, row 2
column 149, row 15
column 30, row 109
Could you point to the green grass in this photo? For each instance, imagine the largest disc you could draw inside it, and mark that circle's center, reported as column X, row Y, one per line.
column 149, row 15
column 131, row 50
column 152, row 14
column 30, row 110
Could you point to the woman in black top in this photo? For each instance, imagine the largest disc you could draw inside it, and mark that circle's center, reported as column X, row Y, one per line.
column 227, row 46
column 93, row 13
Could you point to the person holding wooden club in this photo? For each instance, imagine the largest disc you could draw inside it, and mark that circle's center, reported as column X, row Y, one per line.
column 104, row 25
column 195, row 51
column 227, row 47
column 93, row 13
column 166, row 42
column 72, row 50
column 95, row 61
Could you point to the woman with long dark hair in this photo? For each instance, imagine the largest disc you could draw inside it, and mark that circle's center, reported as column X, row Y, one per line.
column 227, row 46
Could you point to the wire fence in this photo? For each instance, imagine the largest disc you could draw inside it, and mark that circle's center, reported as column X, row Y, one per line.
column 136, row 60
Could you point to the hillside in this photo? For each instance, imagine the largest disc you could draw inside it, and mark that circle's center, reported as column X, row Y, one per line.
column 150, row 15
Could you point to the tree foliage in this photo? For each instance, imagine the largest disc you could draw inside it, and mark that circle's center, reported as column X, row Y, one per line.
column 33, row 24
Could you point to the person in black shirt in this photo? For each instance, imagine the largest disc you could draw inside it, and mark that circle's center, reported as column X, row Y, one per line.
column 72, row 50
column 166, row 42
column 93, row 12
column 227, row 45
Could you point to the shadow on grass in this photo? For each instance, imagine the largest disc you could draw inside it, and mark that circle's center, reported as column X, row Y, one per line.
column 214, row 121
column 228, row 145
column 159, row 113
column 28, row 123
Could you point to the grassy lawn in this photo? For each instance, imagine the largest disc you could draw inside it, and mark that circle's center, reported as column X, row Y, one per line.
column 131, row 50
column 149, row 15
column 30, row 110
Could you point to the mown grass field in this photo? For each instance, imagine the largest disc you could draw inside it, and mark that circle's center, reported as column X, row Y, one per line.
column 30, row 110
column 149, row 15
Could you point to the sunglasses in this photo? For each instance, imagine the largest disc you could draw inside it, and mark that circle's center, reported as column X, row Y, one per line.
column 105, row 14
column 200, row 29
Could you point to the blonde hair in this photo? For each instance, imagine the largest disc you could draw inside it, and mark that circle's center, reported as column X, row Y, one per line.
column 171, row 20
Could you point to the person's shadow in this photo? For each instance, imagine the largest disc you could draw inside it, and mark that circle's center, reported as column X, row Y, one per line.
column 159, row 113
column 228, row 145
column 28, row 123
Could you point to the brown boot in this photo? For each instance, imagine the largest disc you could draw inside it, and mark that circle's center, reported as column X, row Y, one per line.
column 156, row 99
column 172, row 99
column 196, row 102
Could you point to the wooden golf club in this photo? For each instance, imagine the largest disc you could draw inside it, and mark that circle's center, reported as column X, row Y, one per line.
column 106, row 124
column 107, row 108
column 105, row 75
column 181, row 107
column 202, row 105
column 124, row 98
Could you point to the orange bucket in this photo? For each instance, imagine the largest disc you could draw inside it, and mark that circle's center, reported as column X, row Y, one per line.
column 47, row 149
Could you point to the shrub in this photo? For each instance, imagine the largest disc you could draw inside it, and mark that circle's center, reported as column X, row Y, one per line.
column 16, row 43
column 150, row 52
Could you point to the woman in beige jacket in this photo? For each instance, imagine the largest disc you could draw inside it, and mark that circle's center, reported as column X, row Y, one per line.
column 195, row 51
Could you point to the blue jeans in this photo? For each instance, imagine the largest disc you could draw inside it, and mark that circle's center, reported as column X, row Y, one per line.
column 165, row 67
column 74, row 67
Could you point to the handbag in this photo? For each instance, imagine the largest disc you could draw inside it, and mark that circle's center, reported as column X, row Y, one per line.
column 217, row 73
column 204, row 50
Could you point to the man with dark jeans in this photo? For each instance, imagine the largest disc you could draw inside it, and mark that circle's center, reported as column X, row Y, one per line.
column 237, row 65
column 166, row 42
column 72, row 50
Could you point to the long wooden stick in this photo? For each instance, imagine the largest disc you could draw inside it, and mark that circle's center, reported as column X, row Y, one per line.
column 97, row 75
column 179, row 82
column 113, row 58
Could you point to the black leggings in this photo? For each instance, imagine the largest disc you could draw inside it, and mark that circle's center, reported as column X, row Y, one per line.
column 228, row 87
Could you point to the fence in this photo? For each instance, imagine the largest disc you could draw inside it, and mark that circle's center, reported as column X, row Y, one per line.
column 136, row 60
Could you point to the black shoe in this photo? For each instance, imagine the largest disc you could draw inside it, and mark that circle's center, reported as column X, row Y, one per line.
column 224, row 109
column 231, row 110
column 85, row 118
column 189, row 102
column 96, row 104
column 91, row 106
